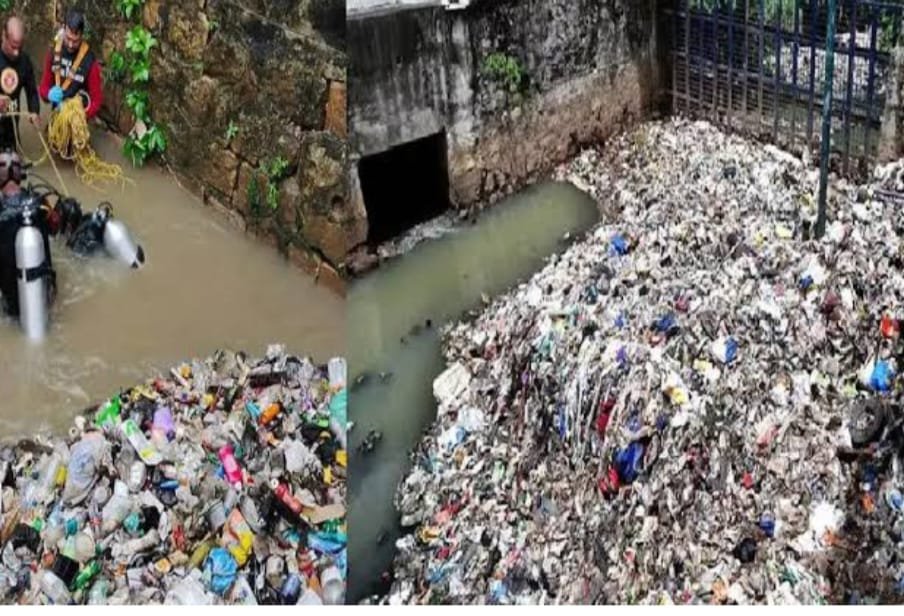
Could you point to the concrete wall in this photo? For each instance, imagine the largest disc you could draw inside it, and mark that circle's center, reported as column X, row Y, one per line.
column 589, row 66
column 276, row 70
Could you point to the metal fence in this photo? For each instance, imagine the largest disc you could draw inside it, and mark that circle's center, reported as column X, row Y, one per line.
column 758, row 67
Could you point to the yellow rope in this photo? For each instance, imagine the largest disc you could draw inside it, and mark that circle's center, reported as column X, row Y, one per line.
column 69, row 138
column 47, row 155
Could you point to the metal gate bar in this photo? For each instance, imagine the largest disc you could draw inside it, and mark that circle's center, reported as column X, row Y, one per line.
column 756, row 65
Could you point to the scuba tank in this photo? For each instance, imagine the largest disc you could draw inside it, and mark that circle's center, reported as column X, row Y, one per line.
column 119, row 244
column 100, row 229
column 30, row 274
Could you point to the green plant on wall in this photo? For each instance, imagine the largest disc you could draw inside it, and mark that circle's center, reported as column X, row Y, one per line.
column 231, row 131
column 131, row 66
column 274, row 170
column 6, row 5
column 116, row 67
column 140, row 149
column 505, row 70
column 128, row 8
column 139, row 43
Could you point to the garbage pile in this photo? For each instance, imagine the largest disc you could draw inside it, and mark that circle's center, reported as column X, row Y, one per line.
column 697, row 403
column 812, row 61
column 223, row 483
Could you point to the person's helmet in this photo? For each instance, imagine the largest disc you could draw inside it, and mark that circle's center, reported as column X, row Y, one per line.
column 10, row 168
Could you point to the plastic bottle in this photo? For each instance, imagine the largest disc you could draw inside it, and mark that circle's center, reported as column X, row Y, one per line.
column 135, row 546
column 270, row 413
column 54, row 529
column 163, row 421
column 99, row 591
column 54, row 588
column 101, row 495
column 253, row 409
column 132, row 523
column 75, row 523
column 40, row 491
column 285, row 496
column 109, row 414
column 145, row 449
column 85, row 547
column 116, row 509
column 163, row 427
column 338, row 371
column 333, row 586
column 339, row 416
column 68, row 550
column 309, row 597
column 138, row 473
column 291, row 589
column 230, row 465
column 338, row 375
column 87, row 574
column 200, row 555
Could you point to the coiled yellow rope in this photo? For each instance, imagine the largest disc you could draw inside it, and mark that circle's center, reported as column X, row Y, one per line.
column 46, row 156
column 69, row 138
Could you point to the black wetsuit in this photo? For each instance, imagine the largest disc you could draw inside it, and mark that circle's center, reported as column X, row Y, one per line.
column 25, row 79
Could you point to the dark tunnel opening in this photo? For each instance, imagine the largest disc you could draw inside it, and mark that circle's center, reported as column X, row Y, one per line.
column 404, row 186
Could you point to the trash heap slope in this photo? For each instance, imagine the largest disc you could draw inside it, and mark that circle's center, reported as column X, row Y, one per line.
column 695, row 403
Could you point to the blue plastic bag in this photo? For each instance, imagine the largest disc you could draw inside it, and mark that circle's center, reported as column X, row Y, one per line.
column 222, row 569
column 767, row 524
column 619, row 244
column 731, row 350
column 666, row 324
column 628, row 461
column 881, row 377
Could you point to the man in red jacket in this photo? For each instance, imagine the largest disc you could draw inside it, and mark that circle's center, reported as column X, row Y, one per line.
column 71, row 69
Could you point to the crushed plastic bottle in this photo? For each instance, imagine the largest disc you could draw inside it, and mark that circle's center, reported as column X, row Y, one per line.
column 230, row 465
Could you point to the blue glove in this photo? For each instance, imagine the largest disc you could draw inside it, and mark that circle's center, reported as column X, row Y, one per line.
column 55, row 95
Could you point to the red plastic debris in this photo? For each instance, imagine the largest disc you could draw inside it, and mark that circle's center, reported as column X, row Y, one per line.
column 602, row 421
column 179, row 537
column 890, row 328
column 747, row 480
column 609, row 483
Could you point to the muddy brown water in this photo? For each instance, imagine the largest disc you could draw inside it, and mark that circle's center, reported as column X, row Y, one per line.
column 206, row 286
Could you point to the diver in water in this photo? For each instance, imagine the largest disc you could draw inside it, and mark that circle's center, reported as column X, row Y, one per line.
column 16, row 204
column 27, row 221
